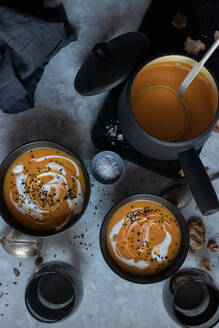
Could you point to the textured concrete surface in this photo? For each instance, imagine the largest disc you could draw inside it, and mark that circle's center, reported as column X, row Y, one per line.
column 62, row 115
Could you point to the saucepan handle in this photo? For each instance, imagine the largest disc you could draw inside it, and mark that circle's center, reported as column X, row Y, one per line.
column 199, row 182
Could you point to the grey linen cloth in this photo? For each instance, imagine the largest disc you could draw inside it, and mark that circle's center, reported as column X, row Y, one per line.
column 30, row 35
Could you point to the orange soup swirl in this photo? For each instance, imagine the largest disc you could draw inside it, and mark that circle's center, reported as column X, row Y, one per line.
column 143, row 237
column 44, row 188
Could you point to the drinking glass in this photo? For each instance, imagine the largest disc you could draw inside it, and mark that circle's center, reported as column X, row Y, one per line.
column 53, row 292
column 191, row 298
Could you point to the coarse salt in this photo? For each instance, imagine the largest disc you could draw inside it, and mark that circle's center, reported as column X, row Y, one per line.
column 107, row 168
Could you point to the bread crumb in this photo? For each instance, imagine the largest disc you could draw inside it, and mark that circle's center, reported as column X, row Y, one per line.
column 193, row 47
column 205, row 264
column 179, row 21
column 39, row 261
column 212, row 245
column 16, row 272
column 216, row 36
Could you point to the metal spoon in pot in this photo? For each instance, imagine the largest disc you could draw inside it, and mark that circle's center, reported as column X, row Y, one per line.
column 173, row 96
column 21, row 245
column 180, row 194
column 196, row 69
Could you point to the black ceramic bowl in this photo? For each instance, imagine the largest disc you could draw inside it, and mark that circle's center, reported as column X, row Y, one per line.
column 4, row 212
column 176, row 263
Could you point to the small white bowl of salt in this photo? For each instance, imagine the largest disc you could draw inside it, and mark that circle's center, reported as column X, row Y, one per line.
column 107, row 167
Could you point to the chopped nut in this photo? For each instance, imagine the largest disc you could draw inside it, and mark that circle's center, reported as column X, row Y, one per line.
column 213, row 246
column 39, row 261
column 197, row 235
column 115, row 237
column 206, row 265
column 216, row 127
column 179, row 21
column 181, row 173
column 16, row 272
column 193, row 47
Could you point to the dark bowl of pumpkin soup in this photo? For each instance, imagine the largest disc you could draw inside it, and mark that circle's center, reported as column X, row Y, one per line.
column 45, row 188
column 144, row 239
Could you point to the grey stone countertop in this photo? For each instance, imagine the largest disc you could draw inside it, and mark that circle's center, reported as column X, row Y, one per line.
column 62, row 115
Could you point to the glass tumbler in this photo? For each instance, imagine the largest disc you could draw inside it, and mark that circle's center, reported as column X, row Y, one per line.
column 53, row 292
column 191, row 298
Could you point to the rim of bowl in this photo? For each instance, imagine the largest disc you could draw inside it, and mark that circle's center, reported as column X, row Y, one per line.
column 8, row 161
column 176, row 263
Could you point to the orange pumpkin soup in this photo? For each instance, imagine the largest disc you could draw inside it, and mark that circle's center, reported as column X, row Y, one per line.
column 143, row 237
column 161, row 112
column 44, row 188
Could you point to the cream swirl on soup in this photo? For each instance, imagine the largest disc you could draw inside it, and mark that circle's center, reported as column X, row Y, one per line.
column 44, row 188
column 143, row 237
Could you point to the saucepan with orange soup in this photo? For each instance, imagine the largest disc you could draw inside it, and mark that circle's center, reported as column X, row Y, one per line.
column 153, row 118
column 144, row 239
column 160, row 125
column 45, row 188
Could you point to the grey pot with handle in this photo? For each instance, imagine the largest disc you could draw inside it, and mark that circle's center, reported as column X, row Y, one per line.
column 185, row 151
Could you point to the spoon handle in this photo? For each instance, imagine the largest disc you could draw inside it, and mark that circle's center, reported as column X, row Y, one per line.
column 213, row 177
column 196, row 69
